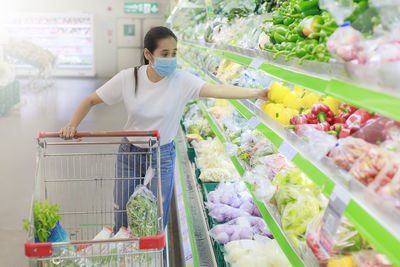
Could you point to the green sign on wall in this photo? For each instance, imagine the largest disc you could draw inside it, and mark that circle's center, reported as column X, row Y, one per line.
column 141, row 8
column 129, row 29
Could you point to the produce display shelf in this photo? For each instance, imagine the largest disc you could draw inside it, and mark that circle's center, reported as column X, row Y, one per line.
column 384, row 102
column 274, row 227
column 381, row 229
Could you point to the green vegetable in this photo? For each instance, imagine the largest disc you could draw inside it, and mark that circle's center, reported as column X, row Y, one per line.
column 45, row 217
column 141, row 211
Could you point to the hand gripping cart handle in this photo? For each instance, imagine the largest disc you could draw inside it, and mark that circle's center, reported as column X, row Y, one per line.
column 79, row 176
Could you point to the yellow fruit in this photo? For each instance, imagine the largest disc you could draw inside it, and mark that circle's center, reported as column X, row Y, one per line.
column 332, row 103
column 278, row 92
column 309, row 100
column 221, row 103
column 284, row 116
column 273, row 109
column 289, row 98
column 346, row 261
column 263, row 105
column 298, row 90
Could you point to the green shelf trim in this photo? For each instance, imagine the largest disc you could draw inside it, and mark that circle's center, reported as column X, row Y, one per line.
column 237, row 165
column 247, row 114
column 277, row 233
column 312, row 83
column 374, row 101
column 188, row 218
column 275, row 139
column 374, row 232
column 239, row 59
column 318, row 177
column 386, row 105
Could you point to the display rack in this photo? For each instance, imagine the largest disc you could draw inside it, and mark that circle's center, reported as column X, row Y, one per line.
column 379, row 227
column 68, row 36
column 375, row 99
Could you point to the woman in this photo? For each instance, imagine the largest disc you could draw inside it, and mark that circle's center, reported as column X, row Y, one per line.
column 154, row 95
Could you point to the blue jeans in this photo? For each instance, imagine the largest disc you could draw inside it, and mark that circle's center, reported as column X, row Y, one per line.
column 134, row 166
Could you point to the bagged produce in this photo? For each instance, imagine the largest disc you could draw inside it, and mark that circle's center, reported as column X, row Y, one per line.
column 348, row 150
column 387, row 185
column 346, row 241
column 260, row 252
column 245, row 227
column 224, row 213
column 370, row 258
column 276, row 163
column 369, row 164
column 260, row 179
column 377, row 130
column 141, row 209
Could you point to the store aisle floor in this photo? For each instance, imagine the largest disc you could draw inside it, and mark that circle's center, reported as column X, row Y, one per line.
column 47, row 110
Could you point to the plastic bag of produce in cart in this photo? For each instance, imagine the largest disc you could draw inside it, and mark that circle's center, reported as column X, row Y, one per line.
column 260, row 252
column 347, row 151
column 141, row 209
column 245, row 227
column 387, row 185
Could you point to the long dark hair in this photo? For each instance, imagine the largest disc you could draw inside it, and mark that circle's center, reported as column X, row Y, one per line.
column 151, row 42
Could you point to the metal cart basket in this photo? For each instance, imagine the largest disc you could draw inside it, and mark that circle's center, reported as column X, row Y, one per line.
column 79, row 176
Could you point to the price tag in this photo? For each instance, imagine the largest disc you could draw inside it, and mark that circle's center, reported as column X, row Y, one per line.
column 332, row 217
column 255, row 63
column 259, row 102
column 286, row 150
column 253, row 122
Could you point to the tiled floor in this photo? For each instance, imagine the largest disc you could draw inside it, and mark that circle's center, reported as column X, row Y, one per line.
column 47, row 110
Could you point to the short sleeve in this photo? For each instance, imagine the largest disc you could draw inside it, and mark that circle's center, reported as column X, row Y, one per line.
column 191, row 85
column 111, row 91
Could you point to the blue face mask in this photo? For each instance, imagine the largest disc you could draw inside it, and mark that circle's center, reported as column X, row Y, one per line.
column 164, row 66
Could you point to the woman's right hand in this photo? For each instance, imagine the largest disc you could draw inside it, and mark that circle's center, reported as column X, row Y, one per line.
column 68, row 132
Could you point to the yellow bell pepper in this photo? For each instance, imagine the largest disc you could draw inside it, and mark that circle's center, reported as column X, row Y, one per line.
column 346, row 261
column 332, row 103
column 298, row 90
column 289, row 98
column 221, row 103
column 284, row 116
column 309, row 99
column 273, row 109
column 278, row 92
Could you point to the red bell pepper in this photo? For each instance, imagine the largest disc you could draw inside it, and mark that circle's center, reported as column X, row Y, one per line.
column 320, row 113
column 320, row 126
column 344, row 132
column 348, row 109
column 335, row 129
column 299, row 119
column 358, row 119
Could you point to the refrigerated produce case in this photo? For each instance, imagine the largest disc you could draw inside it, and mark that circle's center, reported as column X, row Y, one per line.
column 363, row 197
column 68, row 36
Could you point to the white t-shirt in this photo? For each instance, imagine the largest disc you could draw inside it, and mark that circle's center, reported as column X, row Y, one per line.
column 156, row 106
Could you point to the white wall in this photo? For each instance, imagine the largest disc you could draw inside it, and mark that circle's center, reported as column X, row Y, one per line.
column 105, row 14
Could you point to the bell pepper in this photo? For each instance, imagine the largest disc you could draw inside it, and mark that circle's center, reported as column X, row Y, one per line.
column 320, row 113
column 309, row 100
column 332, row 103
column 284, row 116
column 289, row 98
column 359, row 8
column 358, row 119
column 278, row 92
column 348, row 109
column 344, row 132
column 277, row 18
column 299, row 119
column 323, row 127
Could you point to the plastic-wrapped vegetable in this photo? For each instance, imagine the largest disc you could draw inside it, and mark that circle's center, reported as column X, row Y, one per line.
column 224, row 213
column 347, row 239
column 276, row 163
column 259, row 177
column 260, row 252
column 141, row 209
column 241, row 228
column 348, row 150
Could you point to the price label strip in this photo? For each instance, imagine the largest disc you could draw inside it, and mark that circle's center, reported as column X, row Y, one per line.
column 253, row 122
column 332, row 218
column 286, row 150
column 255, row 63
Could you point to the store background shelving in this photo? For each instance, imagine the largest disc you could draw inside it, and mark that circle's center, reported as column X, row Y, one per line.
column 55, row 32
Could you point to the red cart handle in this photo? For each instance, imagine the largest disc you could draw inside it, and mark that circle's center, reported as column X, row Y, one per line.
column 101, row 134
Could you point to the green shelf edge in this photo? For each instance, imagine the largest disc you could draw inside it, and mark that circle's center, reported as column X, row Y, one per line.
column 374, row 232
column 353, row 212
column 276, row 232
column 195, row 254
column 384, row 104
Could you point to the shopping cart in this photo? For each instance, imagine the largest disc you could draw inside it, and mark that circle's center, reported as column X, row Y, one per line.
column 79, row 176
